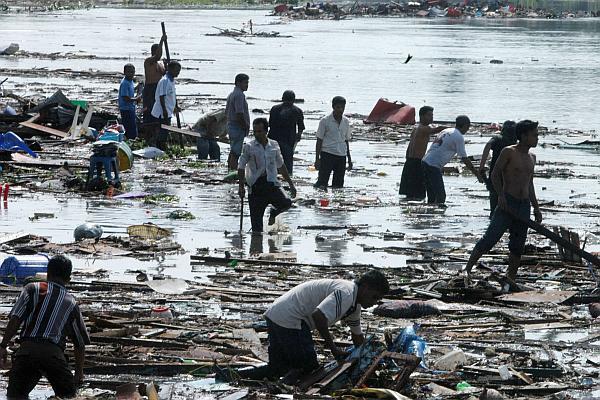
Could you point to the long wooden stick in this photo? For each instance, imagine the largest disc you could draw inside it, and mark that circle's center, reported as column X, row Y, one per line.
column 164, row 32
column 242, row 215
column 539, row 228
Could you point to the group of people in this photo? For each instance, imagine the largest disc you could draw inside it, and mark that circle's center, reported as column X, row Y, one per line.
column 45, row 314
column 271, row 151
column 158, row 96
column 509, row 180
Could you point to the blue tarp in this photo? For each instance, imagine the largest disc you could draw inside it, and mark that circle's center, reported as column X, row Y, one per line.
column 11, row 142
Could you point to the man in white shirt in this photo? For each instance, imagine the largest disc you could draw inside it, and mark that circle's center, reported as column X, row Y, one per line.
column 333, row 137
column 316, row 304
column 447, row 143
column 258, row 166
column 165, row 104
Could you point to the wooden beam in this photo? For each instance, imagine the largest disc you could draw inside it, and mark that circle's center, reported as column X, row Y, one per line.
column 44, row 129
column 173, row 129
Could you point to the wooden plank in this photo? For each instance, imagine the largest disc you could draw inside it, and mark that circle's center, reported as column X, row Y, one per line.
column 173, row 129
column 542, row 230
column 44, row 129
column 556, row 296
column 9, row 237
column 139, row 342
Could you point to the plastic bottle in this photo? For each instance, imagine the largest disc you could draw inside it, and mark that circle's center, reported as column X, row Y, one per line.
column 462, row 386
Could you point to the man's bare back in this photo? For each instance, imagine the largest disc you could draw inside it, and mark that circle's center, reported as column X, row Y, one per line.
column 153, row 69
column 517, row 171
column 419, row 139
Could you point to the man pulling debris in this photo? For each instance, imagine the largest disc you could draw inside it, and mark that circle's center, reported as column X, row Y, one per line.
column 154, row 69
column 48, row 314
column 447, row 143
column 259, row 163
column 412, row 183
column 512, row 178
column 316, row 304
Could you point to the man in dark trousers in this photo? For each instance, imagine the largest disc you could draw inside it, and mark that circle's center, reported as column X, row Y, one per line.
column 238, row 119
column 512, row 177
column 507, row 137
column 259, row 164
column 165, row 103
column 446, row 145
column 333, row 146
column 314, row 305
column 47, row 313
column 412, row 183
column 154, row 69
column 286, row 123
column 127, row 102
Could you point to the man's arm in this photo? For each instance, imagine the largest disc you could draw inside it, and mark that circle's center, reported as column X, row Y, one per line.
column 318, row 153
column 348, row 155
column 437, row 129
column 322, row 326
column 11, row 330
column 533, row 199
column 79, row 360
column 300, row 125
column 471, row 168
column 164, row 107
column 286, row 176
column 484, row 156
column 497, row 180
column 242, row 182
column 156, row 57
column 241, row 120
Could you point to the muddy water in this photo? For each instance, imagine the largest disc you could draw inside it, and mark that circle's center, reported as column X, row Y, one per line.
column 361, row 59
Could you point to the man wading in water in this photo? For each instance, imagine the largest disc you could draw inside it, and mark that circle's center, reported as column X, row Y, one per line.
column 412, row 183
column 512, row 178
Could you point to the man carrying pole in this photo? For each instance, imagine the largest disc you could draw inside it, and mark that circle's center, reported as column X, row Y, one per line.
column 512, row 178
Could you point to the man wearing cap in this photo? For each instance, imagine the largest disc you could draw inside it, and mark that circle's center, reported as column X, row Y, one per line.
column 512, row 177
column 286, row 123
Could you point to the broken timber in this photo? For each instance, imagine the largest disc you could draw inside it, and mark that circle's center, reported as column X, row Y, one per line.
column 542, row 230
column 44, row 129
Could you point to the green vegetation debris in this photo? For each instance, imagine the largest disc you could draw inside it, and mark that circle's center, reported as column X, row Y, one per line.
column 181, row 214
column 160, row 198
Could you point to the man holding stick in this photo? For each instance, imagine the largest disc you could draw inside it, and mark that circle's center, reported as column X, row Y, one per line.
column 512, row 178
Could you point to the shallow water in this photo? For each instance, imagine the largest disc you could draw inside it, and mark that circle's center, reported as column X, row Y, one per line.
column 363, row 60
column 550, row 69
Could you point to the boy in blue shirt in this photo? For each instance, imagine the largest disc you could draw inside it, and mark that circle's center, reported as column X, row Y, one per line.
column 127, row 100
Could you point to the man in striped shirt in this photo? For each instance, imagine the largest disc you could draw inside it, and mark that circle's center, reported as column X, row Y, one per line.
column 316, row 304
column 47, row 314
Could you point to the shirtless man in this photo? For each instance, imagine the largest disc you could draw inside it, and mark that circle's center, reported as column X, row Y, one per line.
column 154, row 69
column 412, row 183
column 512, row 178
